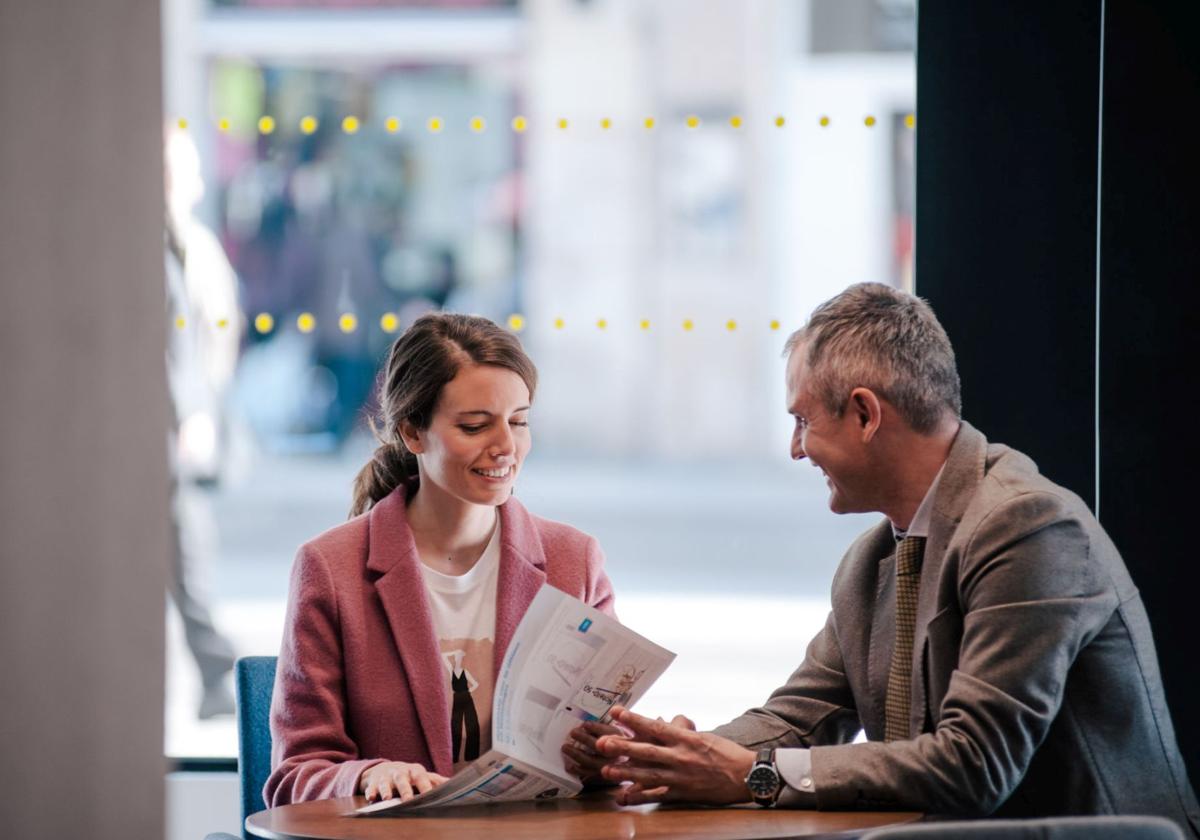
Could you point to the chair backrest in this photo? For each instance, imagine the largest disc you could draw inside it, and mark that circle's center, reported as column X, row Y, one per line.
column 1052, row 828
column 255, row 678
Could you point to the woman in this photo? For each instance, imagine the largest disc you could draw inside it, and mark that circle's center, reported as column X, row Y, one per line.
column 398, row 619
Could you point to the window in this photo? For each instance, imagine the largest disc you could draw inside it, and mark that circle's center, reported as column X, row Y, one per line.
column 654, row 198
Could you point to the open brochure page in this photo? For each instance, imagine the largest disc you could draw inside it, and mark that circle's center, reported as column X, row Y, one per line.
column 566, row 663
column 493, row 777
column 574, row 668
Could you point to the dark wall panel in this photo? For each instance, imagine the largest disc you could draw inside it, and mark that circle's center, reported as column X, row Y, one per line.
column 1149, row 293
column 1008, row 102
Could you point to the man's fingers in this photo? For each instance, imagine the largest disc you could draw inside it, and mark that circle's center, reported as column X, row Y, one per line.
column 646, row 729
column 585, row 734
column 384, row 788
column 636, row 794
column 636, row 750
column 684, row 722
column 596, row 729
column 647, row 777
column 438, row 779
column 423, row 783
column 582, row 762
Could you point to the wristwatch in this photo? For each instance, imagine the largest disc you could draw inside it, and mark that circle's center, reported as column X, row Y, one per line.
column 763, row 779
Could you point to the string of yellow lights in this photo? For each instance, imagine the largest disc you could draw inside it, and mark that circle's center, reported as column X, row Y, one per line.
column 265, row 323
column 351, row 124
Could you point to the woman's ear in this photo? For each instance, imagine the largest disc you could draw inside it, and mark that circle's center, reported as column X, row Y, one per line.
column 411, row 436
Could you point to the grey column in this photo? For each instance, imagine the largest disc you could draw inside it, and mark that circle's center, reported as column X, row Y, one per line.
column 83, row 419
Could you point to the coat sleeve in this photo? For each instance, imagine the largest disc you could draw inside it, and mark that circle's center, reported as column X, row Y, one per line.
column 599, row 591
column 1032, row 597
column 815, row 706
column 312, row 756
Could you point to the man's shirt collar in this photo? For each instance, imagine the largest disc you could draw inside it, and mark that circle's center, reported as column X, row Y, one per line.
column 919, row 527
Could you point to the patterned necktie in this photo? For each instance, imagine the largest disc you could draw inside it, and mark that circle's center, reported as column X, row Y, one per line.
column 899, row 687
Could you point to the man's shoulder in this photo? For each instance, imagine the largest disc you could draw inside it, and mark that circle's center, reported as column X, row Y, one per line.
column 1013, row 487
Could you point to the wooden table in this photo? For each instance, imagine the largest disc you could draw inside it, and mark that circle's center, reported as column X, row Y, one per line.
column 592, row 817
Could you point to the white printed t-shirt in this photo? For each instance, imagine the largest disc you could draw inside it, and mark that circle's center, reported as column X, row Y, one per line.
column 464, row 621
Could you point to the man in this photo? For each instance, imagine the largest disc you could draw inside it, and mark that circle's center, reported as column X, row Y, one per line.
column 986, row 635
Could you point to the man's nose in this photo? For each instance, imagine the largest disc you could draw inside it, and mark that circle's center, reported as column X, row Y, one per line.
column 798, row 453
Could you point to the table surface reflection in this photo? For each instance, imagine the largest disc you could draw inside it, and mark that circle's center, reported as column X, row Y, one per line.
column 591, row 817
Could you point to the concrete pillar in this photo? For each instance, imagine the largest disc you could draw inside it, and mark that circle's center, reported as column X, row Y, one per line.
column 83, row 472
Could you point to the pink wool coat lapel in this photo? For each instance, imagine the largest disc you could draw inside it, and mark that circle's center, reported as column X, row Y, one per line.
column 522, row 573
column 393, row 554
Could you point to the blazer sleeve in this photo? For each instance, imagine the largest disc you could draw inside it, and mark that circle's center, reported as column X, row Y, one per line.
column 599, row 591
column 312, row 756
column 1032, row 596
column 815, row 706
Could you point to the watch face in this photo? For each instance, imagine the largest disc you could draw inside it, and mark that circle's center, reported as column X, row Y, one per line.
column 762, row 781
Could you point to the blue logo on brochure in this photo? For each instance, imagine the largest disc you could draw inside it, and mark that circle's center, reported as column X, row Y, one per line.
column 583, row 628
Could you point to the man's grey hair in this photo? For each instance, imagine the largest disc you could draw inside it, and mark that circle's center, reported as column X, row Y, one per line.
column 878, row 337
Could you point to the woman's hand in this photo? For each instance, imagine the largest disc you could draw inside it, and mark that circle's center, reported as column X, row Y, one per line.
column 396, row 778
column 582, row 757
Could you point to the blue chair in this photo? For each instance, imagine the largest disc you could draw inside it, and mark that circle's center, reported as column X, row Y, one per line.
column 1053, row 828
column 255, row 681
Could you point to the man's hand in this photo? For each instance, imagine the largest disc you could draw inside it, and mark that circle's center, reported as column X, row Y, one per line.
column 671, row 762
column 581, row 756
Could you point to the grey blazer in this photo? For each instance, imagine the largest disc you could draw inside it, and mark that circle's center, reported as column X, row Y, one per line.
column 1035, row 689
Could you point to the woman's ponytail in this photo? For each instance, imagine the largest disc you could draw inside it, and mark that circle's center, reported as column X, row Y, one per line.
column 390, row 466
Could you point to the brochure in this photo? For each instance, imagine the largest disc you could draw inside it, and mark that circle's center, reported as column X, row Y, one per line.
column 567, row 663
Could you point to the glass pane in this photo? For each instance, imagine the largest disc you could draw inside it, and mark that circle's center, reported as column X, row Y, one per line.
column 653, row 198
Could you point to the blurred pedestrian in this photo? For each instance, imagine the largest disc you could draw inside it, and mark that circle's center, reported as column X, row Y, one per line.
column 202, row 349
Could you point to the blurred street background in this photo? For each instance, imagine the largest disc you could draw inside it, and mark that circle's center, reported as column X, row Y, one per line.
column 652, row 193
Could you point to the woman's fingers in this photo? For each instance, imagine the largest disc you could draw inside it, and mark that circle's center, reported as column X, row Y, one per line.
column 402, row 779
column 422, row 782
column 383, row 787
column 398, row 778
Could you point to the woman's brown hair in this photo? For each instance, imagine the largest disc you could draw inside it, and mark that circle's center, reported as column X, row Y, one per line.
column 429, row 354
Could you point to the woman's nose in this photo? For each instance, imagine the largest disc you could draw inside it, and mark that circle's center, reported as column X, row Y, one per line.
column 503, row 444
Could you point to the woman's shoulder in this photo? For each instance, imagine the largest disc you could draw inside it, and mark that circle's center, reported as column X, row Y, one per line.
column 344, row 543
column 573, row 560
column 554, row 537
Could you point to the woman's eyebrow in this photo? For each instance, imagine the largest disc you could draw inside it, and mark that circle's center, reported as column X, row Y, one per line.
column 488, row 413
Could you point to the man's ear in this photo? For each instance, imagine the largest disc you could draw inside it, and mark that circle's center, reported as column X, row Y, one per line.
column 411, row 436
column 867, row 411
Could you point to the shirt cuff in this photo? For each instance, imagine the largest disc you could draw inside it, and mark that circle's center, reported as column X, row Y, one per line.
column 795, row 768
